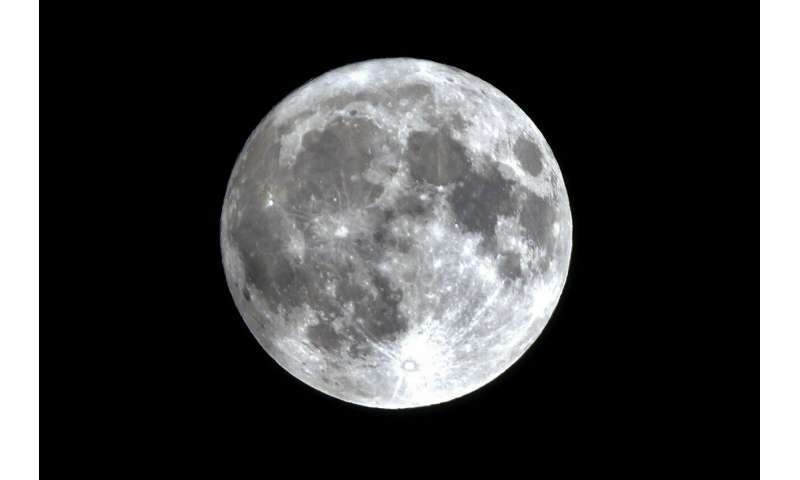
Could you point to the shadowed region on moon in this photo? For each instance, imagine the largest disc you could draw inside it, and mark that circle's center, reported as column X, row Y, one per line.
column 396, row 233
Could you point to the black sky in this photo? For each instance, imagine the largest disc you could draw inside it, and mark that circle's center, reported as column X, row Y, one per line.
column 650, row 357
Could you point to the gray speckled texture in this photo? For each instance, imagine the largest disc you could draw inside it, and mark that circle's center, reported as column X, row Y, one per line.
column 396, row 233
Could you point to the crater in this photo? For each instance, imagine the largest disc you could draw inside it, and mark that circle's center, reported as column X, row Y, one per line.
column 409, row 365
column 529, row 155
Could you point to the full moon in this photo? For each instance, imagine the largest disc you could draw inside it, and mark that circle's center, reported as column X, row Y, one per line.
column 396, row 233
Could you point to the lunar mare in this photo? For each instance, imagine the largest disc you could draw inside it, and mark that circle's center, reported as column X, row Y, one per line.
column 396, row 233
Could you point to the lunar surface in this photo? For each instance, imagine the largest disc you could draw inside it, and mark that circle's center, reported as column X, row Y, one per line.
column 396, row 233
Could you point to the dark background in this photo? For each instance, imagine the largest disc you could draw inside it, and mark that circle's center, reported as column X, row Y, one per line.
column 648, row 364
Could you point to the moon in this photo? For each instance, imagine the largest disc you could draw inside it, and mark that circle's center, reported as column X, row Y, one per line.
column 396, row 233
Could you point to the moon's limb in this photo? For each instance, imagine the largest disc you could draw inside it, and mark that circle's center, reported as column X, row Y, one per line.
column 396, row 233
